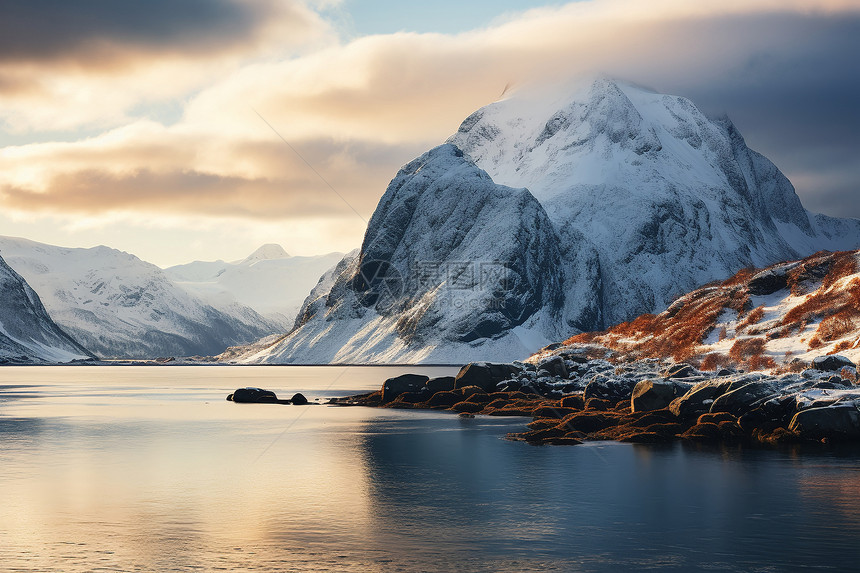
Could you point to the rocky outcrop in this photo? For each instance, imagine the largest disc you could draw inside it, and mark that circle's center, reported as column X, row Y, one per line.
column 655, row 394
column 485, row 375
column 451, row 264
column 394, row 387
column 635, row 405
column 834, row 422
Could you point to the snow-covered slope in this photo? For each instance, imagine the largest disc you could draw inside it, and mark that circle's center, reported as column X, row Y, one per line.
column 27, row 333
column 633, row 198
column 450, row 261
column 269, row 281
column 665, row 198
column 118, row 306
column 786, row 314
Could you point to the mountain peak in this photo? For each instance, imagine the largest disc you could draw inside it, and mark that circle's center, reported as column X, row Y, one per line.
column 267, row 252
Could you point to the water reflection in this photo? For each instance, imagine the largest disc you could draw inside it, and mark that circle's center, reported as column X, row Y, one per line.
column 136, row 474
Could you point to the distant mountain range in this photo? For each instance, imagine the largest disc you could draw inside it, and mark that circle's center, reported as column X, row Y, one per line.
column 118, row 306
column 544, row 216
column 269, row 281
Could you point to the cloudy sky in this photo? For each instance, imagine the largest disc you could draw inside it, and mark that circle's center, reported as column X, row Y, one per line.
column 200, row 129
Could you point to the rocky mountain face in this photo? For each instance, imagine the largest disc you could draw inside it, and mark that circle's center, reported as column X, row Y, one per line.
column 431, row 280
column 595, row 207
column 119, row 306
column 269, row 281
column 27, row 333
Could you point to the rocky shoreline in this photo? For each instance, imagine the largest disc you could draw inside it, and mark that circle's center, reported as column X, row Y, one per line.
column 572, row 397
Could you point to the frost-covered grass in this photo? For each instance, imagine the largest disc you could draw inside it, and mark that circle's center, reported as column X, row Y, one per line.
column 816, row 313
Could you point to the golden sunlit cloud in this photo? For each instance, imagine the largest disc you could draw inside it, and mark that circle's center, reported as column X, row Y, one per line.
column 355, row 111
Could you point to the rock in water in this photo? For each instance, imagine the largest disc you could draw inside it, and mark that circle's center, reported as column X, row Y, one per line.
column 440, row 384
column 393, row 387
column 254, row 396
column 837, row 422
column 485, row 375
column 298, row 399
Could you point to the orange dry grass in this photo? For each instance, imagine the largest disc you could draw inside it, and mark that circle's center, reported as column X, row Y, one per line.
column 835, row 327
column 745, row 348
column 825, row 303
column 752, row 318
column 740, row 278
column 675, row 333
column 844, row 345
column 844, row 264
column 714, row 361
column 679, row 331
column 750, row 353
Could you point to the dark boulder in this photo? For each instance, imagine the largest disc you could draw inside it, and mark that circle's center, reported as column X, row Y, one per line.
column 440, row 384
column 613, row 389
column 485, row 375
column 298, row 399
column 768, row 281
column 555, row 366
column 556, row 412
column 699, row 398
column 771, row 414
column 744, row 399
column 411, row 397
column 829, row 385
column 444, row 399
column 832, row 363
column 588, row 421
column 573, row 401
column 717, row 418
column 656, row 394
column 598, row 404
column 836, row 422
column 637, row 437
column 511, row 386
column 479, row 398
column 467, row 391
column 393, row 387
column 254, row 396
column 680, row 370
column 704, row 432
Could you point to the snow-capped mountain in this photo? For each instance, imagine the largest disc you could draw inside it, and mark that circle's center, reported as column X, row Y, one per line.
column 27, row 333
column 661, row 197
column 781, row 317
column 633, row 198
column 269, row 281
column 119, row 306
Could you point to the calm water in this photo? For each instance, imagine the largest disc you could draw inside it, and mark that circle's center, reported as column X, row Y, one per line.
column 150, row 469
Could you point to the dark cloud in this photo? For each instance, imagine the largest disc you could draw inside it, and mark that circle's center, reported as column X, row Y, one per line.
column 41, row 30
column 795, row 98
